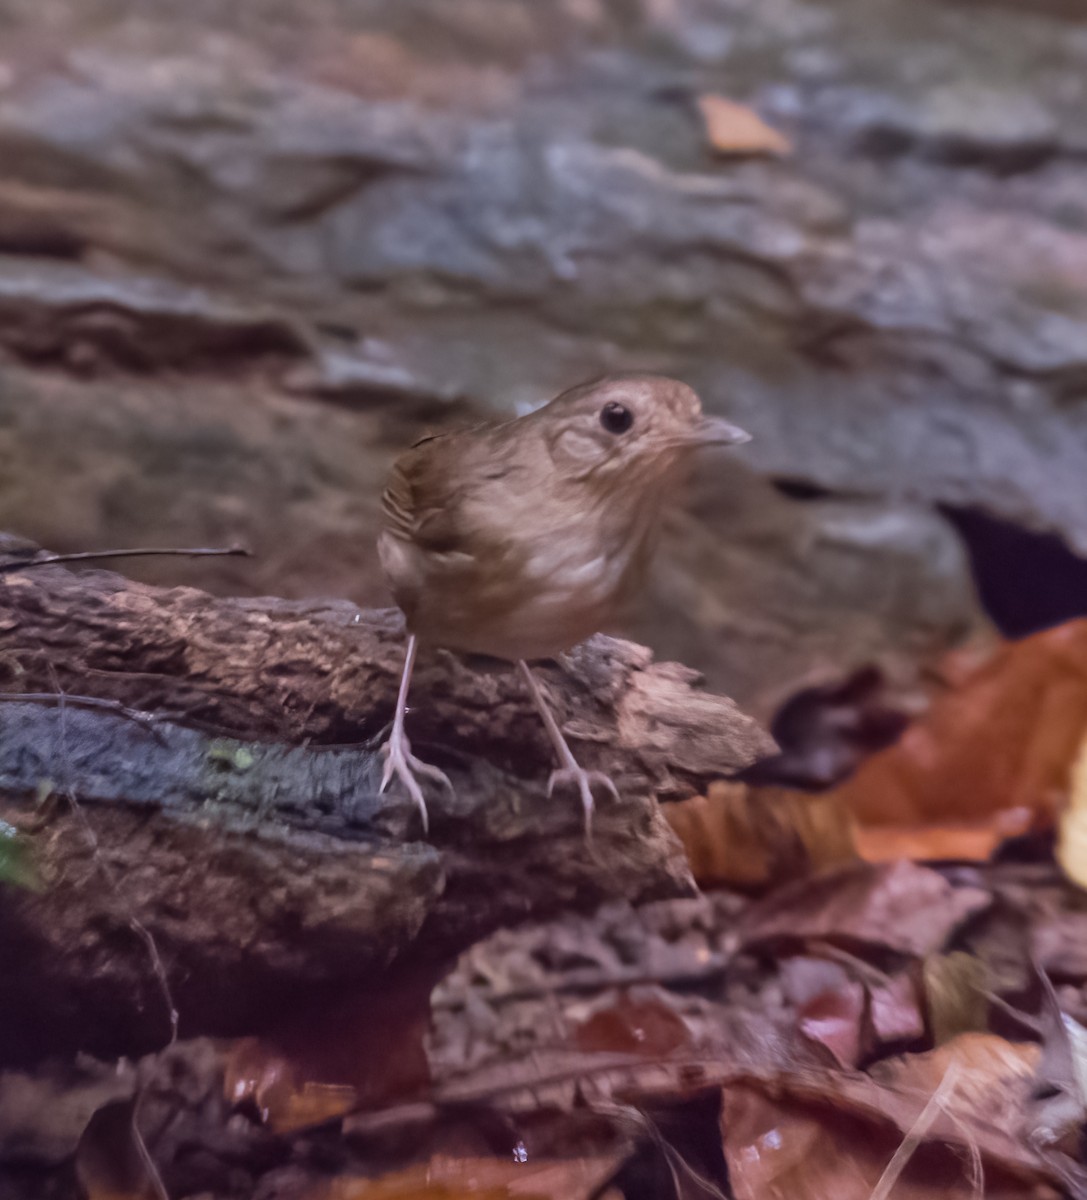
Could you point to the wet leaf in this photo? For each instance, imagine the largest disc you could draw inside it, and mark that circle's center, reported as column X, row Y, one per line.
column 644, row 1025
column 444, row 1178
column 264, row 1073
column 339, row 1054
column 735, row 129
column 784, row 1150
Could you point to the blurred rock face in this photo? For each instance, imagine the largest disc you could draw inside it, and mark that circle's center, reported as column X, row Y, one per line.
column 250, row 252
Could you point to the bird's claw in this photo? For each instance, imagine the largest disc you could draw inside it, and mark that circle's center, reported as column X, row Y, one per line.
column 400, row 761
column 583, row 780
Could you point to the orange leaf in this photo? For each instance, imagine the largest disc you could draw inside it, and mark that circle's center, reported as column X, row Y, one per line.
column 739, row 836
column 445, row 1178
column 735, row 129
column 1000, row 744
column 971, row 840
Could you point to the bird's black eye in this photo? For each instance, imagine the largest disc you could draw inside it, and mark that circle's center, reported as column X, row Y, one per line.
column 616, row 417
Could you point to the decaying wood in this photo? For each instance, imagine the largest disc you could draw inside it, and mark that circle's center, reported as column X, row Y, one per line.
column 245, row 826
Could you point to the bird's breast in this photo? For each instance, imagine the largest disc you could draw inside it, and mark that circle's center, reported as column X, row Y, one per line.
column 568, row 589
column 548, row 594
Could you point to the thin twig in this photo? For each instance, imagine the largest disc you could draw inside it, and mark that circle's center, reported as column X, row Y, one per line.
column 138, row 552
column 976, row 1167
column 145, row 720
column 937, row 1102
column 106, row 871
column 153, row 1176
column 677, row 1163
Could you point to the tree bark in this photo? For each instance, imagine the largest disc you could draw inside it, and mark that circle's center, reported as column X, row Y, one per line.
column 240, row 823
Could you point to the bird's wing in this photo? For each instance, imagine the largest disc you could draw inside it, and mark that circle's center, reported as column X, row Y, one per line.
column 423, row 502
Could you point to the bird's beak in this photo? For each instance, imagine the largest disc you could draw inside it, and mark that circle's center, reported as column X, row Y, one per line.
column 716, row 431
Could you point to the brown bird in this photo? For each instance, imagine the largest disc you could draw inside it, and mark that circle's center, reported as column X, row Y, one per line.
column 518, row 540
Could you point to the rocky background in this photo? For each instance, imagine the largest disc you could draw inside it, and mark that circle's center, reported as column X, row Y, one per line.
column 250, row 250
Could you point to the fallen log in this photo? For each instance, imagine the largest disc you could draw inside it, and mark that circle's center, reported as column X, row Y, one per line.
column 205, row 771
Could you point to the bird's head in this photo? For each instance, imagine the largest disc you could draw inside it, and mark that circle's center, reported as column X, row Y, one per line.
column 639, row 426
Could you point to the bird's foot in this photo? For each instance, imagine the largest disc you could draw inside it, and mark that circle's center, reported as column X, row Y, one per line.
column 583, row 780
column 400, row 761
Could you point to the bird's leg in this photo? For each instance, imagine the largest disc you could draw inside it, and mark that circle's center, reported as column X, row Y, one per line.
column 399, row 760
column 568, row 771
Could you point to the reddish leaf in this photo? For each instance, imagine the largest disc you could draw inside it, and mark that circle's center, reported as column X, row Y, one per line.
column 338, row 1054
column 480, row 1179
column 835, row 1020
column 644, row 1026
column 898, row 906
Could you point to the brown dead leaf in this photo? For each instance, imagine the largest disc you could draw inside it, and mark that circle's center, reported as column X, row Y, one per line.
column 836, row 1020
column 950, row 1121
column 645, row 1026
column 736, row 130
column 1001, row 741
column 900, row 907
column 739, row 836
column 260, row 1071
column 339, row 1054
column 778, row 1149
column 444, row 1178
